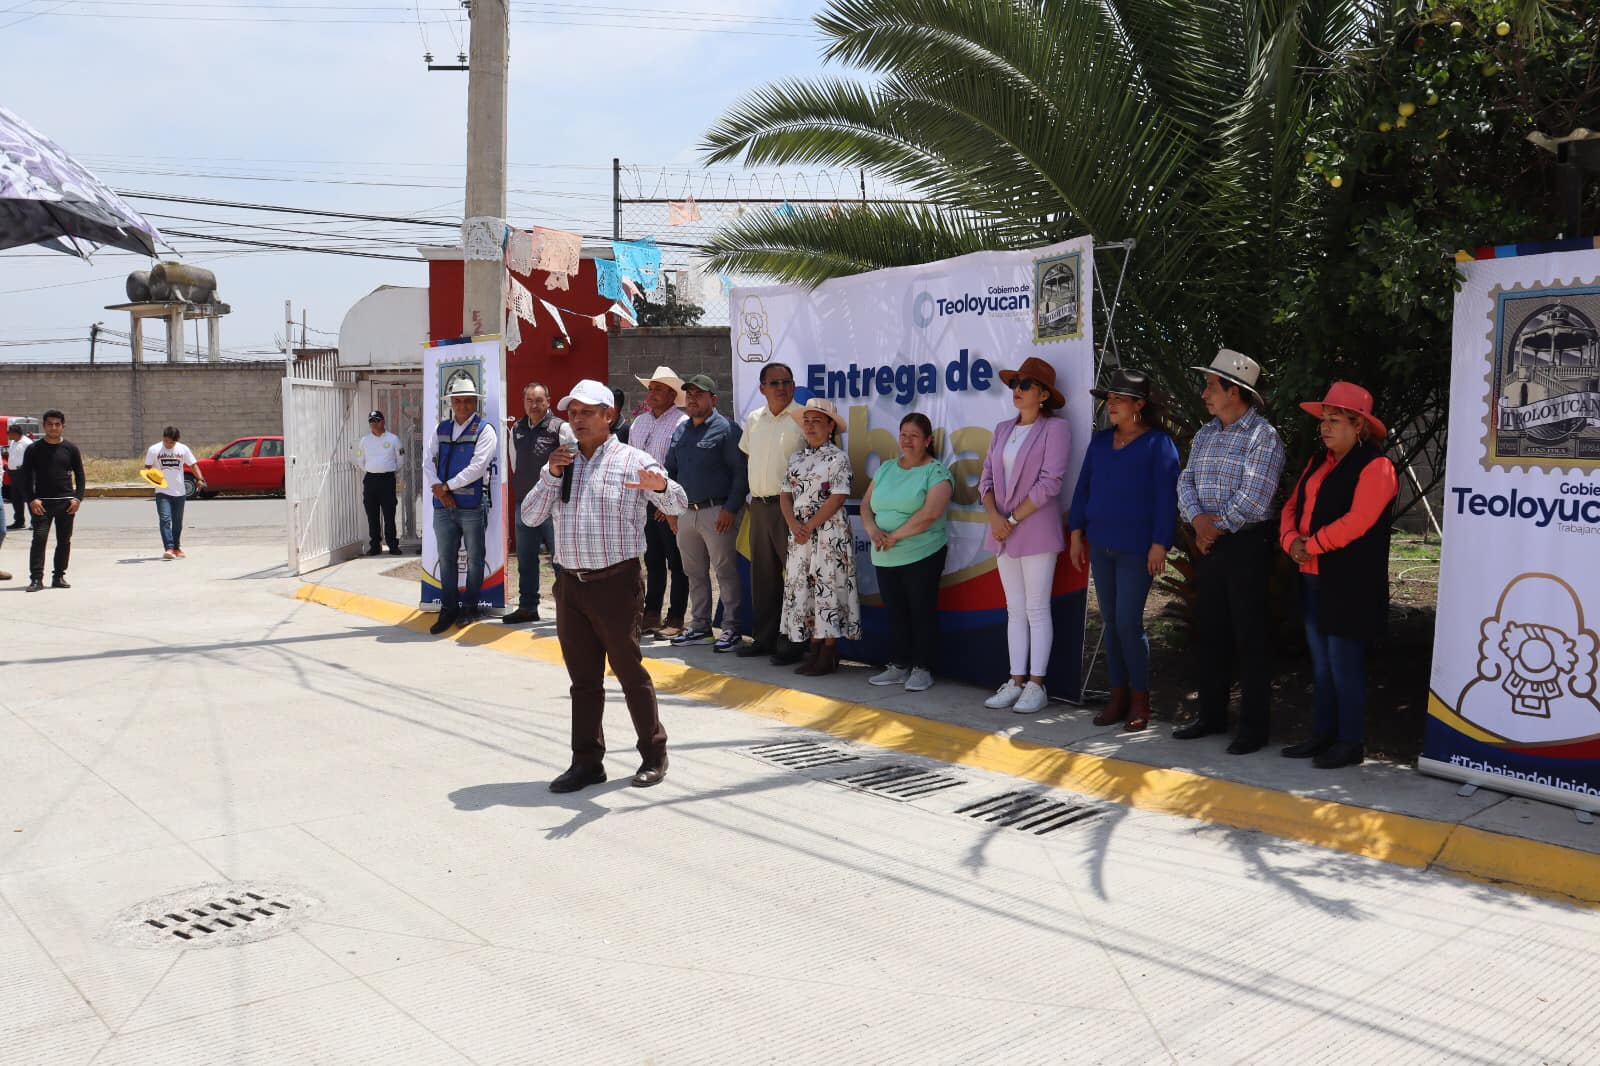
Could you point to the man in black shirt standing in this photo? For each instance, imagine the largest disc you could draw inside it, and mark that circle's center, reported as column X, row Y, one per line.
column 53, row 484
column 533, row 438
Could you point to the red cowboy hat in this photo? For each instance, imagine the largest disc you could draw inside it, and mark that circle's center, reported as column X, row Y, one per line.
column 1352, row 398
column 1040, row 372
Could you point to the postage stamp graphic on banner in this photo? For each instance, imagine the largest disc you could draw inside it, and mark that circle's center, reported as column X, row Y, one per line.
column 1543, row 405
column 1057, row 298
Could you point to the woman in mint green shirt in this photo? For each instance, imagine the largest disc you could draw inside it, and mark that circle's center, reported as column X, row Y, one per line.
column 903, row 513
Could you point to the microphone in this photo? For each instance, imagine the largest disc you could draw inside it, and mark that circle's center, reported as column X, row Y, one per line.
column 569, row 443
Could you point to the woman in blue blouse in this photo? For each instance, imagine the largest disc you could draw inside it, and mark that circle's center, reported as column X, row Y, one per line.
column 1124, row 514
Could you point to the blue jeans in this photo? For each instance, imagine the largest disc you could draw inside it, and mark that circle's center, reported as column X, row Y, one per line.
column 1339, row 669
column 169, row 510
column 530, row 539
column 451, row 527
column 1122, row 583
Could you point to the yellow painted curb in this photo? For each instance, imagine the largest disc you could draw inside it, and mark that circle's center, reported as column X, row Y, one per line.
column 1529, row 865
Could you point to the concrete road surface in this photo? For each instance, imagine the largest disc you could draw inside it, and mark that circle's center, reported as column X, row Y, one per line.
column 187, row 727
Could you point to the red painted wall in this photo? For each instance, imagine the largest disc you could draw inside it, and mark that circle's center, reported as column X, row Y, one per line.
column 534, row 359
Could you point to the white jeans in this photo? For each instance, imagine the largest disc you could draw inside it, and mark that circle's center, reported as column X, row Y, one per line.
column 1029, row 630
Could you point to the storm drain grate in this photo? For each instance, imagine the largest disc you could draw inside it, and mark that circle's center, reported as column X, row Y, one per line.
column 801, row 754
column 898, row 782
column 1030, row 813
column 213, row 916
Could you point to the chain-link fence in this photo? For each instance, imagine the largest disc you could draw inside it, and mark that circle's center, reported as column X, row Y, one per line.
column 653, row 202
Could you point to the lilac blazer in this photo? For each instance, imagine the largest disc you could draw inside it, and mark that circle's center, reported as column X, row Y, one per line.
column 1041, row 471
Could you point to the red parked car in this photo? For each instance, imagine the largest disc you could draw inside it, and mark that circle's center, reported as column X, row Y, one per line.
column 249, row 464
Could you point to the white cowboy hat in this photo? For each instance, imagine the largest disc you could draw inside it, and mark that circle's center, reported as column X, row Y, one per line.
column 820, row 406
column 462, row 387
column 1236, row 367
column 665, row 376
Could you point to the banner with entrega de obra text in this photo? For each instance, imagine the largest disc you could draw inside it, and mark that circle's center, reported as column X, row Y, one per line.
column 478, row 362
column 1513, row 703
column 934, row 338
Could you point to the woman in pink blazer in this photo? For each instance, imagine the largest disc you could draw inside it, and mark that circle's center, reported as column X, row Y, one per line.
column 1021, row 491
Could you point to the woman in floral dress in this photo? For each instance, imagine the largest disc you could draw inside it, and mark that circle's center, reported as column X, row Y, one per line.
column 820, row 604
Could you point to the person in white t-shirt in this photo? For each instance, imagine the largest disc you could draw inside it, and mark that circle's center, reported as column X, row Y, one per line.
column 172, row 459
column 14, row 454
column 380, row 461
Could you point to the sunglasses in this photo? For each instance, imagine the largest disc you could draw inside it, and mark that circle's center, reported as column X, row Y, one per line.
column 1024, row 384
column 778, row 383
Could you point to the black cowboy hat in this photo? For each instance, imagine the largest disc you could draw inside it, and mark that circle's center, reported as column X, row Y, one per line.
column 1123, row 382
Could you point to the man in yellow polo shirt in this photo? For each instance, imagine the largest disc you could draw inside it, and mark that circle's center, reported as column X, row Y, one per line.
column 771, row 436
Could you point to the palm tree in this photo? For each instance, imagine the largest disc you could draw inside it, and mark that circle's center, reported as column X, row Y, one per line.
column 1180, row 123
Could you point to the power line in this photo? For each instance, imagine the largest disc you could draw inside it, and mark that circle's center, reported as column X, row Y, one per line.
column 297, row 248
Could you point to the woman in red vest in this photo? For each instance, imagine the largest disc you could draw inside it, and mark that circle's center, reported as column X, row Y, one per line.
column 1336, row 526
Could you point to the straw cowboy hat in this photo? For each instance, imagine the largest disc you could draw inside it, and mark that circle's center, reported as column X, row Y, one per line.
column 462, row 386
column 1350, row 397
column 1040, row 372
column 821, row 406
column 1236, row 367
column 664, row 376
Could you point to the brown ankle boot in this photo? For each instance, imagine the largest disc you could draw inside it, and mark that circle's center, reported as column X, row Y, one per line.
column 813, row 655
column 1116, row 710
column 1138, row 710
column 827, row 660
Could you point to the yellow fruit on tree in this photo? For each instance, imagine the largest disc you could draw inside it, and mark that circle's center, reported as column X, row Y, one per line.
column 1400, row 123
column 1336, row 181
column 1385, row 127
column 1407, row 109
column 1502, row 29
column 1433, row 98
column 1456, row 29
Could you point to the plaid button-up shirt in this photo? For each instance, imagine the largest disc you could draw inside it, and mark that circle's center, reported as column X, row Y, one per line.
column 1232, row 473
column 603, row 523
column 654, row 435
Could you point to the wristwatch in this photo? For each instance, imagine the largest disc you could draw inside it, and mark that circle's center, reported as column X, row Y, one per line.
column 1011, row 519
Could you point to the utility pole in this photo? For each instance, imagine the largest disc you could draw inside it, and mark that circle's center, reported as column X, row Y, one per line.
column 483, row 299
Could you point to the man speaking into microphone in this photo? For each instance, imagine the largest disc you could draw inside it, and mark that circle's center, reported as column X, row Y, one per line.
column 600, row 521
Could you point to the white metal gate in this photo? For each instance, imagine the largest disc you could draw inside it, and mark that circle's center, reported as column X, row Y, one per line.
column 322, row 479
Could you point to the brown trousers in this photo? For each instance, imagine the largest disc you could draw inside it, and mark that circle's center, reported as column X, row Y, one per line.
column 598, row 620
column 769, row 548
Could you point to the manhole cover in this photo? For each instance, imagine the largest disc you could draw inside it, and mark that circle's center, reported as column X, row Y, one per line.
column 801, row 754
column 898, row 782
column 1030, row 813
column 213, row 916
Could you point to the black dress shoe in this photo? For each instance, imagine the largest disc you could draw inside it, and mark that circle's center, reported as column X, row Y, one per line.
column 521, row 616
column 1338, row 755
column 577, row 777
column 18, row 525
column 751, row 650
column 373, row 549
column 650, row 775
column 1307, row 748
column 394, row 549
column 789, row 653
column 59, row 582
column 466, row 618
column 1246, row 745
column 34, row 586
column 1197, row 728
column 445, row 620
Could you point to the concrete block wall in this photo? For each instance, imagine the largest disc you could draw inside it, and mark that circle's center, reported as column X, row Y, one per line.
column 689, row 350
column 119, row 409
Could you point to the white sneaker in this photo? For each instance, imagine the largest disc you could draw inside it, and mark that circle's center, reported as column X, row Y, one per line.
column 919, row 681
column 1034, row 698
column 894, row 675
column 1004, row 696
column 168, row 556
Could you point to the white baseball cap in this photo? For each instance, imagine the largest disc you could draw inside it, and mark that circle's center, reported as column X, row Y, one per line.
column 588, row 391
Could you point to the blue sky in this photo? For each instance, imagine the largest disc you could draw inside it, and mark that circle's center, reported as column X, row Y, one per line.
column 330, row 100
